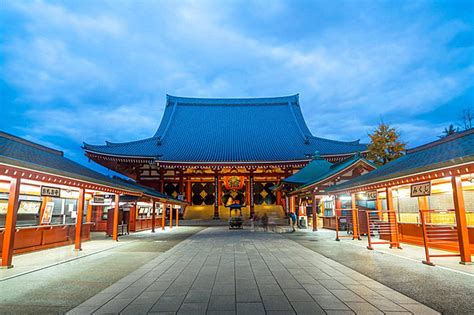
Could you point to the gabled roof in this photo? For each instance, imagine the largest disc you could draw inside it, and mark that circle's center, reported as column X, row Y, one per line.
column 447, row 152
column 337, row 168
column 18, row 152
column 315, row 174
column 206, row 130
column 314, row 169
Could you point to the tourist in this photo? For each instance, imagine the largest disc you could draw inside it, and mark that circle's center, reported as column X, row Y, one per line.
column 293, row 219
column 265, row 222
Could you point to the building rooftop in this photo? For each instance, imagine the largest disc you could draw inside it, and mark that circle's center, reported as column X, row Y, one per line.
column 230, row 130
column 450, row 151
column 19, row 152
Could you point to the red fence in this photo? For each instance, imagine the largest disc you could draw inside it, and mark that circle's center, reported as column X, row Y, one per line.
column 348, row 221
column 383, row 225
column 438, row 234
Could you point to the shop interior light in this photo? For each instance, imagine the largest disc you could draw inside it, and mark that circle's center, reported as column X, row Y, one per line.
column 345, row 197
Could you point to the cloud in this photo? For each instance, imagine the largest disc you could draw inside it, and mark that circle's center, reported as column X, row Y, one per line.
column 99, row 71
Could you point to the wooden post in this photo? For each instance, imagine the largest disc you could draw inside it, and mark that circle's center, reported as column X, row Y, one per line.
column 163, row 216
column 171, row 216
column 80, row 212
column 10, row 223
column 315, row 215
column 252, row 206
column 278, row 197
column 177, row 217
column 216, row 197
column 116, row 217
column 153, row 217
column 188, row 190
column 89, row 213
column 392, row 218
column 461, row 221
column 355, row 219
column 422, row 203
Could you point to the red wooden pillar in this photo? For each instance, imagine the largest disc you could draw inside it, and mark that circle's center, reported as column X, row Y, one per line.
column 252, row 206
column 153, row 217
column 80, row 211
column 315, row 216
column 163, row 216
column 116, row 217
column 461, row 221
column 247, row 193
column 278, row 196
column 219, row 193
column 171, row 216
column 177, row 217
column 355, row 216
column 10, row 223
column 188, row 191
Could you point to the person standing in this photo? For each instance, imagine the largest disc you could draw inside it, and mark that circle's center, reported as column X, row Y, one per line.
column 265, row 222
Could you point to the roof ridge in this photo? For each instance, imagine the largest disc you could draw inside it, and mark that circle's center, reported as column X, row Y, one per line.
column 435, row 143
column 113, row 144
column 339, row 141
column 233, row 100
column 30, row 143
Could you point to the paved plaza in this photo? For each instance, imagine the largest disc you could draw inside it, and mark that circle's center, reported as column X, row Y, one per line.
column 218, row 271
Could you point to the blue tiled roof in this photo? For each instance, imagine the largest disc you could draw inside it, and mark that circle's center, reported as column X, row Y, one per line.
column 336, row 168
column 446, row 152
column 314, row 169
column 230, row 130
column 22, row 153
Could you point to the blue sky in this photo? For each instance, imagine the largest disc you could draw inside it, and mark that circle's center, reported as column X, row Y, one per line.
column 99, row 70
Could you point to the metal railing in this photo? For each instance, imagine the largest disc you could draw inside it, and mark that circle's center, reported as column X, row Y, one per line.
column 439, row 234
column 347, row 220
column 382, row 224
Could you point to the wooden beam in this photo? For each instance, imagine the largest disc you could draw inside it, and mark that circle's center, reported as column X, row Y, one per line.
column 10, row 223
column 153, row 217
column 79, row 217
column 116, row 218
column 461, row 220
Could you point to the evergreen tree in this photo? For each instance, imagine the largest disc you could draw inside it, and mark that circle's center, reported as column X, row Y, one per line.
column 449, row 131
column 385, row 144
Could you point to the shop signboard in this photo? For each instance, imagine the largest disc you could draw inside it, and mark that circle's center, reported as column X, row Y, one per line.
column 372, row 195
column 420, row 190
column 47, row 191
column 101, row 200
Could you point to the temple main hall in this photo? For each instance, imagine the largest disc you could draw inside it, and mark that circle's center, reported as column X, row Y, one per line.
column 214, row 152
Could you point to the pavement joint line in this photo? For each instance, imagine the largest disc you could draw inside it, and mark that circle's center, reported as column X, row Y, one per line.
column 63, row 261
column 416, row 260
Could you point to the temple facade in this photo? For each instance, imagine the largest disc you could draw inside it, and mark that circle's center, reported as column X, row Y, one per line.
column 217, row 152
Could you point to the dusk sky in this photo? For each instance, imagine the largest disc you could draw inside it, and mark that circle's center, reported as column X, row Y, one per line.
column 100, row 70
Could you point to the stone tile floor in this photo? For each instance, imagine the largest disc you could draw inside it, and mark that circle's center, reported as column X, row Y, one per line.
column 218, row 271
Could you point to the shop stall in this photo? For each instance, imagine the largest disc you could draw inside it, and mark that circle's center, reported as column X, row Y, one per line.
column 47, row 200
column 426, row 198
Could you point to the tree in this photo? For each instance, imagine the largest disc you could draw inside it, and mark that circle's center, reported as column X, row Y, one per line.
column 449, row 131
column 385, row 144
column 467, row 119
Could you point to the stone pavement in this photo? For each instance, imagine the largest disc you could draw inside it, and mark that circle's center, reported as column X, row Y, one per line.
column 218, row 271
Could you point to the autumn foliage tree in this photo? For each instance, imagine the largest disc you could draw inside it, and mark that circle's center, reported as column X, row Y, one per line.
column 385, row 144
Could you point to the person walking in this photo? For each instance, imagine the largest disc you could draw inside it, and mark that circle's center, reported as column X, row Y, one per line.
column 293, row 220
column 265, row 222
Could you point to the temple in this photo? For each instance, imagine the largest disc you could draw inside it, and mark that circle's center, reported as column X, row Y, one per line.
column 215, row 152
